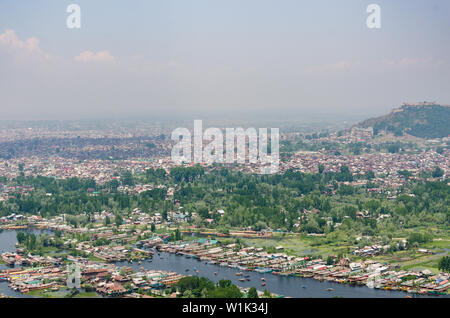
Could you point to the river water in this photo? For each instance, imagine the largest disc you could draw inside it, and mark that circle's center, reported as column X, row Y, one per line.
column 281, row 285
column 297, row 287
column 8, row 240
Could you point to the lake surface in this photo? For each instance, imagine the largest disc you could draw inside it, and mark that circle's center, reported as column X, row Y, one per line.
column 8, row 240
column 281, row 285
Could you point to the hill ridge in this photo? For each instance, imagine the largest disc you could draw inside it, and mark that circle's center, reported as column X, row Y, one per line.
column 424, row 120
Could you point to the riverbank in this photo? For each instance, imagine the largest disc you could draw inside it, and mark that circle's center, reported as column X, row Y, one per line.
column 287, row 286
column 369, row 273
column 223, row 262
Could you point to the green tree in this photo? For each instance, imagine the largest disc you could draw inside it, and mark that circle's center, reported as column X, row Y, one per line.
column 252, row 293
column 267, row 294
column 444, row 264
column 127, row 178
column 118, row 220
column 437, row 172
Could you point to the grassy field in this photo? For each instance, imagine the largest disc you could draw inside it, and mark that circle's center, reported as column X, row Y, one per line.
column 48, row 294
column 296, row 245
column 438, row 243
column 412, row 260
column 94, row 259
column 430, row 264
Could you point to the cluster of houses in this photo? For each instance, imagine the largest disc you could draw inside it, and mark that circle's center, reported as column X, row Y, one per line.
column 371, row 250
column 7, row 191
column 384, row 165
column 105, row 279
column 19, row 259
column 370, row 272
column 66, row 163
column 112, row 281
column 11, row 218
column 59, row 167
column 34, row 278
column 141, row 243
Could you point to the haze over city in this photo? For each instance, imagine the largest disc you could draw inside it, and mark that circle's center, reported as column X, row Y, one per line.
column 219, row 157
column 221, row 59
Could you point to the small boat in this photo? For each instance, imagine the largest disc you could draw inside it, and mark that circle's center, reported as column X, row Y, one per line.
column 304, row 286
column 187, row 269
column 139, row 262
column 239, row 274
column 242, row 279
column 263, row 279
column 215, row 273
column 330, row 289
column 263, row 284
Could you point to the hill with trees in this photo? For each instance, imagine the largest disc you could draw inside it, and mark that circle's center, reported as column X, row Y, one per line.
column 424, row 120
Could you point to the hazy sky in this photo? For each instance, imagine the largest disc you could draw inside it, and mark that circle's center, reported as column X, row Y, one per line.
column 223, row 58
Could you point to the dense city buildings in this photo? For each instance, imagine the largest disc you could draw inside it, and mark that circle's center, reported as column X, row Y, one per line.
column 100, row 241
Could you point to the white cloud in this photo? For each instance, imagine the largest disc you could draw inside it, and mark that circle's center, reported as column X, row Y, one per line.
column 411, row 61
column 10, row 39
column 89, row 56
column 338, row 66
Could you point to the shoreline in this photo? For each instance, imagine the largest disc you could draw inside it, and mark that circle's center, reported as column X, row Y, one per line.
column 319, row 274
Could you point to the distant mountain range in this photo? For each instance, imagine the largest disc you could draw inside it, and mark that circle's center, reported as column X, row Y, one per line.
column 424, row 120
